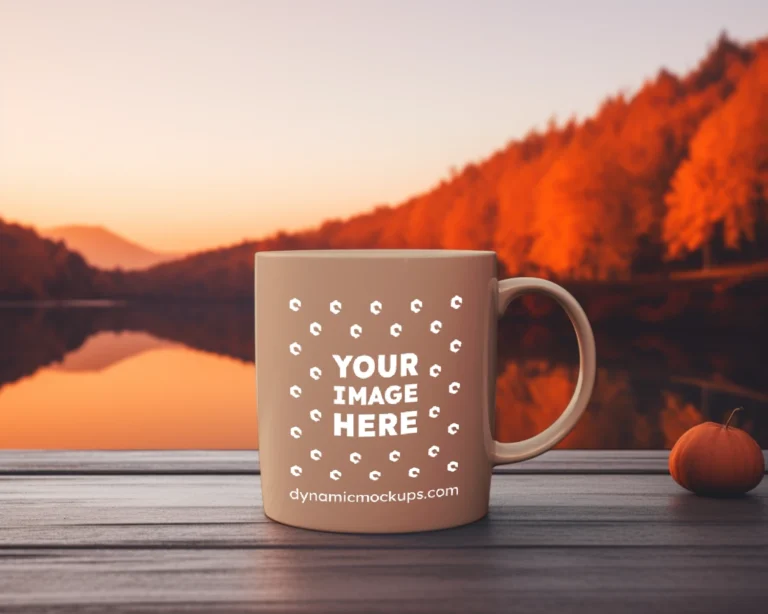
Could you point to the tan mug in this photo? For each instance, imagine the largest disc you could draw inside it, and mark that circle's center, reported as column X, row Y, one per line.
column 376, row 377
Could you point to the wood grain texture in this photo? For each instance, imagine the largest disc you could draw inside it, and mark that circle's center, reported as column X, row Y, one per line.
column 148, row 542
column 226, row 512
column 588, row 579
column 246, row 462
column 173, row 462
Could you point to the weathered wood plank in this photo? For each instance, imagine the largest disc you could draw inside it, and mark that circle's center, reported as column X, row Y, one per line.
column 246, row 462
column 224, row 512
column 579, row 579
column 152, row 542
column 174, row 462
column 37, row 462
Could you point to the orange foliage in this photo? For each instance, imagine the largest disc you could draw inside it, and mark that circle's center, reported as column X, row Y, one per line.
column 725, row 179
column 583, row 200
column 652, row 174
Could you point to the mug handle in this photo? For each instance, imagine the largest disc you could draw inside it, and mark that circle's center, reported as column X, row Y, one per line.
column 509, row 290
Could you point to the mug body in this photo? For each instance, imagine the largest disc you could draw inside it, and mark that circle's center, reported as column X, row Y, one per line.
column 376, row 381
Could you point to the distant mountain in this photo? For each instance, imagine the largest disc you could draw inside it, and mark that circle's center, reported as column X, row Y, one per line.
column 105, row 249
column 32, row 267
column 672, row 178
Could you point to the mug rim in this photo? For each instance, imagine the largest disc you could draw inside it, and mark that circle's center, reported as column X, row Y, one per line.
column 376, row 253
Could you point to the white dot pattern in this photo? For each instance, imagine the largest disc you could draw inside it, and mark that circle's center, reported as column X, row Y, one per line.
column 396, row 329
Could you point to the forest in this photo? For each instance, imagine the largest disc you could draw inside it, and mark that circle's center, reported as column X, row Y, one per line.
column 671, row 178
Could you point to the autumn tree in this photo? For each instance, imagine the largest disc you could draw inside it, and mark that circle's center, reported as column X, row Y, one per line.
column 470, row 218
column 583, row 220
column 527, row 162
column 725, row 180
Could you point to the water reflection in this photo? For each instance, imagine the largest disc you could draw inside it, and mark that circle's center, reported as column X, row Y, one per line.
column 182, row 377
column 156, row 395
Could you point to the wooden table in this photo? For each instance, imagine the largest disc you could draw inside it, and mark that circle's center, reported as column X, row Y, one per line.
column 185, row 532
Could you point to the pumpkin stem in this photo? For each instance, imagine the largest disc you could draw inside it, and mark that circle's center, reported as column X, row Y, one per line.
column 728, row 422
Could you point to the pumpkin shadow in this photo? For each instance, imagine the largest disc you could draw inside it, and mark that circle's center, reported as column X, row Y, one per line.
column 745, row 508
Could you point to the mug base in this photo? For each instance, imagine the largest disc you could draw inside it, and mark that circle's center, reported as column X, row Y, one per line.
column 378, row 531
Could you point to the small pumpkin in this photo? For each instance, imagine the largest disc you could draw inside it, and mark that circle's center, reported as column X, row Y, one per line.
column 717, row 460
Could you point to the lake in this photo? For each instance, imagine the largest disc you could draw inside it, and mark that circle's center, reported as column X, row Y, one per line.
column 111, row 376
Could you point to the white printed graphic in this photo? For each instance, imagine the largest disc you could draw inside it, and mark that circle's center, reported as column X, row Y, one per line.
column 357, row 368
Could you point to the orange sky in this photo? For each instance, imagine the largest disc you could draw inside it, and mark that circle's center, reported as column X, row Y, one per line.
column 184, row 125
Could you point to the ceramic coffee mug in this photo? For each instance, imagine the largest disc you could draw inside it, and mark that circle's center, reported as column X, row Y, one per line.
column 376, row 382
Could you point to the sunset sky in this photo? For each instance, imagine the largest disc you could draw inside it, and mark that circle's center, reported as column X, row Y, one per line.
column 190, row 124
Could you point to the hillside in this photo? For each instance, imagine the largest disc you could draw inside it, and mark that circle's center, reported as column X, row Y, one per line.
column 674, row 177
column 105, row 249
column 32, row 267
